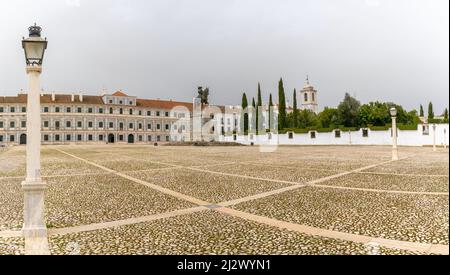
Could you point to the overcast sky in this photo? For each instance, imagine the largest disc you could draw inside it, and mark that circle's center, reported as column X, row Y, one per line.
column 389, row 50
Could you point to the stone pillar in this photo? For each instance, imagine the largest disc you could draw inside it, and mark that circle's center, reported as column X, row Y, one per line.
column 394, row 139
column 197, row 134
column 434, row 138
column 34, row 228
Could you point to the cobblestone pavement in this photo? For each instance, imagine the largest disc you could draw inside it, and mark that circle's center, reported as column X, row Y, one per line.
column 206, row 232
column 81, row 194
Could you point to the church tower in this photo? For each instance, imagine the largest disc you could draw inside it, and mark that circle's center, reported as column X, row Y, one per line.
column 308, row 98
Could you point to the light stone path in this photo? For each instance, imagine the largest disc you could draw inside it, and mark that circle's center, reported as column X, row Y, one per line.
column 104, row 225
column 403, row 175
column 395, row 244
column 381, row 190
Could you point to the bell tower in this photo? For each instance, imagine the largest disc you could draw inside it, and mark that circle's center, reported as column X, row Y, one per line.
column 308, row 97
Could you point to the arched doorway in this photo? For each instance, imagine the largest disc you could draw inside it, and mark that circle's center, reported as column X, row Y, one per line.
column 111, row 138
column 130, row 138
column 23, row 139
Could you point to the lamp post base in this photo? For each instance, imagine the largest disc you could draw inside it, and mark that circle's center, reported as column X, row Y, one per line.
column 394, row 154
column 34, row 228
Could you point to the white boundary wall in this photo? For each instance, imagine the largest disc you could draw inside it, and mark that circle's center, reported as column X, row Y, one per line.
column 405, row 138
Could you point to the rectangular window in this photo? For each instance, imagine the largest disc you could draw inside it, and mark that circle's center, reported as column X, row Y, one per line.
column 100, row 137
column 167, row 114
column 12, row 124
column 68, row 124
column 90, row 137
column 57, row 109
column 140, row 138
column 149, row 138
column 1, row 125
column 68, row 137
column 120, row 137
column 337, row 134
column 365, row 133
column 1, row 138
column 68, row 110
column 57, row 124
column 46, row 124
column 90, row 110
column 130, row 111
column 158, row 113
column 45, row 137
column 57, row 138
column 100, row 110
column 140, row 126
column 79, row 137
column 100, row 124
column 291, row 135
column 130, row 126
column 79, row 110
column 1, row 110
column 23, row 124
column 167, row 126
column 12, row 138
column 149, row 113
column 79, row 124
column 149, row 126
column 140, row 112
column 158, row 126
column 167, row 138
column 90, row 124
column 312, row 135
column 158, row 138
column 12, row 110
column 45, row 109
column 111, row 125
column 24, row 109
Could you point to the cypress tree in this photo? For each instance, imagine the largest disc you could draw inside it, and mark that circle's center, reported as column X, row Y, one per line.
column 281, row 106
column 270, row 111
column 244, row 106
column 258, row 109
column 295, row 114
column 253, row 121
column 421, row 113
column 430, row 111
column 446, row 115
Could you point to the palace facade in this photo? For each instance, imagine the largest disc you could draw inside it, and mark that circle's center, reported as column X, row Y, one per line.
column 109, row 118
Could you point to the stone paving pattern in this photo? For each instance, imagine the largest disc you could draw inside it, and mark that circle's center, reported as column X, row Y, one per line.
column 80, row 193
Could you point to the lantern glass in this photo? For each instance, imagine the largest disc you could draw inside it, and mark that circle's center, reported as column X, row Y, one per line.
column 393, row 112
column 34, row 51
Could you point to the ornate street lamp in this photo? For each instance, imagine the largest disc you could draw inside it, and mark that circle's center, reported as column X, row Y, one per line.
column 393, row 112
column 34, row 228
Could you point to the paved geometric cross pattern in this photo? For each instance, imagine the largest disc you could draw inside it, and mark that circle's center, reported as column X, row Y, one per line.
column 233, row 200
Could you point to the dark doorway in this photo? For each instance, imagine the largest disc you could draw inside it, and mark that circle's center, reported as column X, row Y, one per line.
column 23, row 139
column 111, row 138
column 130, row 138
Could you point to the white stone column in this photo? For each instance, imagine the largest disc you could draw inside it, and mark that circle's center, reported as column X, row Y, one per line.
column 434, row 138
column 34, row 227
column 394, row 139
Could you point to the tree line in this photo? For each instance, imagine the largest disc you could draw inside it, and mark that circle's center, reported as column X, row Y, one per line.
column 350, row 113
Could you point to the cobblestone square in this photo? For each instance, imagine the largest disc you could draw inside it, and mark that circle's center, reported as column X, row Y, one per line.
column 233, row 200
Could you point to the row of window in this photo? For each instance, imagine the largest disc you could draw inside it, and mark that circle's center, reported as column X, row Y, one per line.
column 100, row 124
column 337, row 134
column 90, row 137
column 13, row 109
column 92, row 110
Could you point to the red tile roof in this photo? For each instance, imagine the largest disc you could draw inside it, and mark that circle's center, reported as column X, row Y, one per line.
column 119, row 93
column 163, row 104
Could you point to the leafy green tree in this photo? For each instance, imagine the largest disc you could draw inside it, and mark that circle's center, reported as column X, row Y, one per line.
column 446, row 115
column 307, row 118
column 421, row 111
column 348, row 111
column 328, row 118
column 295, row 112
column 281, row 106
column 430, row 111
column 244, row 106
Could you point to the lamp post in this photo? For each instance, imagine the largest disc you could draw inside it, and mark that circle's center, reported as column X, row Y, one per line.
column 393, row 112
column 434, row 137
column 34, row 228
